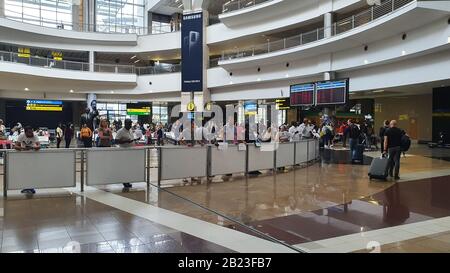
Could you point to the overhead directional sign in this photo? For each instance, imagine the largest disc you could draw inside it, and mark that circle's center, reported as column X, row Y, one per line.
column 44, row 105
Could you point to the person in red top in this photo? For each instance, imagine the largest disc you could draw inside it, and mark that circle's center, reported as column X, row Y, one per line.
column 344, row 130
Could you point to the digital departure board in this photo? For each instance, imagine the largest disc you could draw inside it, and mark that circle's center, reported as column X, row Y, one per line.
column 44, row 105
column 283, row 104
column 302, row 94
column 138, row 109
column 331, row 92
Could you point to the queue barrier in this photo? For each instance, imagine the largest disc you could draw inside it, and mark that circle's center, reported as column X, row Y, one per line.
column 57, row 168
column 181, row 162
column 227, row 160
column 106, row 166
column 47, row 169
column 211, row 160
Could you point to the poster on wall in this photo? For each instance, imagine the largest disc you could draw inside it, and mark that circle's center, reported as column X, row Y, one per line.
column 192, row 52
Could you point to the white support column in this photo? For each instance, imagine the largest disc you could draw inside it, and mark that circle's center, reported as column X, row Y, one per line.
column 90, row 14
column 75, row 15
column 2, row 8
column 187, row 4
column 91, row 61
column 328, row 24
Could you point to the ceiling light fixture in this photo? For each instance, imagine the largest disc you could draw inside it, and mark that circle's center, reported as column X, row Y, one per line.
column 134, row 56
column 378, row 91
column 112, row 92
column 26, row 89
column 71, row 90
column 137, row 61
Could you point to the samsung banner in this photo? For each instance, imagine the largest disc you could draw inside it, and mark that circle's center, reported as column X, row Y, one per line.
column 192, row 52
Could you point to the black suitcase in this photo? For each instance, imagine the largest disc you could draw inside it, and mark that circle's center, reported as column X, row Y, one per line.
column 359, row 154
column 379, row 168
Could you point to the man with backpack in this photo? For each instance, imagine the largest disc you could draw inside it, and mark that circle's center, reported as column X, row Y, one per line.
column 353, row 140
column 393, row 147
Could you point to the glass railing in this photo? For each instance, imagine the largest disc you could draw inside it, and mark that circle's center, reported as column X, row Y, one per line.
column 337, row 28
column 14, row 57
column 240, row 4
column 78, row 26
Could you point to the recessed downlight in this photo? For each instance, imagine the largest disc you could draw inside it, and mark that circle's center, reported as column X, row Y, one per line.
column 71, row 90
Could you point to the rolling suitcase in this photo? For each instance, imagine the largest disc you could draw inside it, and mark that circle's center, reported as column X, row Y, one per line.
column 379, row 168
column 359, row 154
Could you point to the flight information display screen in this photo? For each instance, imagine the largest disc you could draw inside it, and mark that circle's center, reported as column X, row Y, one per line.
column 302, row 94
column 44, row 105
column 138, row 109
column 331, row 92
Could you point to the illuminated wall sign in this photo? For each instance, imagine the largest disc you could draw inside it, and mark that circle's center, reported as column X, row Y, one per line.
column 332, row 92
column 250, row 108
column 302, row 94
column 138, row 109
column 58, row 56
column 44, row 105
column 23, row 52
column 283, row 104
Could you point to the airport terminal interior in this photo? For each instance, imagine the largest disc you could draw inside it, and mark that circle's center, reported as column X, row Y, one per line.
column 225, row 126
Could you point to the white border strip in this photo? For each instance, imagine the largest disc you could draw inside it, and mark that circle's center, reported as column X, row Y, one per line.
column 375, row 238
column 226, row 237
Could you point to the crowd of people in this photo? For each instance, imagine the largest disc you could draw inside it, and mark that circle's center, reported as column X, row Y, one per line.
column 130, row 134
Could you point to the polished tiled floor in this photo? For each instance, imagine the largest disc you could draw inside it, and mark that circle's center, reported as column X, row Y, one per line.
column 53, row 224
column 313, row 208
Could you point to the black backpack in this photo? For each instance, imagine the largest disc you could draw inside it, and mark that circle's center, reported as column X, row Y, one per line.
column 354, row 132
column 405, row 143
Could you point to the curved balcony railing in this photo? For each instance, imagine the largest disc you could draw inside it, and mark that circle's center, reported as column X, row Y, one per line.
column 100, row 28
column 337, row 28
column 240, row 4
column 37, row 61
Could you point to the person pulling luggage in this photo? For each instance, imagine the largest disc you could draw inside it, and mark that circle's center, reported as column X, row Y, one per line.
column 392, row 147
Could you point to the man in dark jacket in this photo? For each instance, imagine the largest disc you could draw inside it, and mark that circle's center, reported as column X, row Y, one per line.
column 382, row 132
column 354, row 134
column 392, row 146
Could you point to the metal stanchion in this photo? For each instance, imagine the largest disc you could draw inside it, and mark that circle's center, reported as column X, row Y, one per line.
column 307, row 152
column 246, row 159
column 295, row 154
column 5, row 175
column 159, row 165
column 148, row 153
column 82, row 171
column 274, row 159
column 208, row 164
